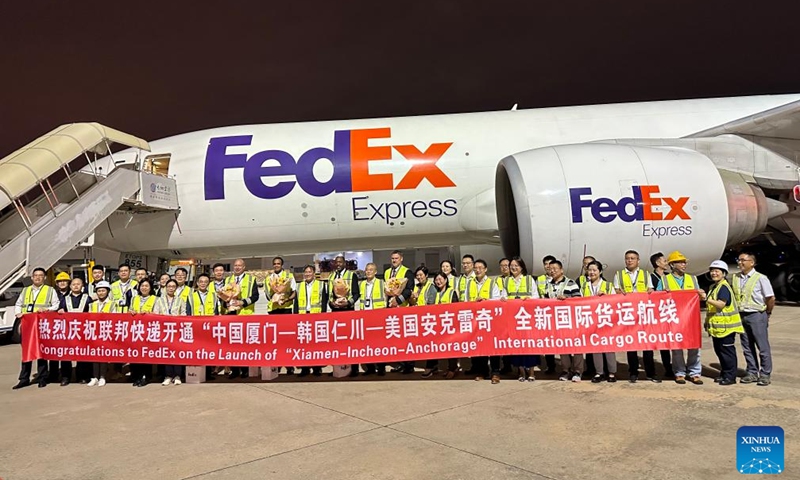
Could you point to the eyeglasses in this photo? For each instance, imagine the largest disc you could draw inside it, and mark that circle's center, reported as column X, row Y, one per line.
column 740, row 260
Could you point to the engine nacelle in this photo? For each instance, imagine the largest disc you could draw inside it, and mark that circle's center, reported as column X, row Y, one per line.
column 601, row 200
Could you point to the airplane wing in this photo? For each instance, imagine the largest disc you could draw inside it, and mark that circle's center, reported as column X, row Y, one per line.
column 778, row 123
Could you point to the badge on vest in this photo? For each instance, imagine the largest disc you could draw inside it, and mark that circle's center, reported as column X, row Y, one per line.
column 368, row 302
column 29, row 309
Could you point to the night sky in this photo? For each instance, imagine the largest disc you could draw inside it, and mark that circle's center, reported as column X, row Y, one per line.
column 166, row 67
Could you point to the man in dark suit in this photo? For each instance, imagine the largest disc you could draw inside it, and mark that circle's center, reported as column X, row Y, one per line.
column 341, row 303
column 399, row 270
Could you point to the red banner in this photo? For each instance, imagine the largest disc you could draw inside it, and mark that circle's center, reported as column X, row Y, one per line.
column 610, row 323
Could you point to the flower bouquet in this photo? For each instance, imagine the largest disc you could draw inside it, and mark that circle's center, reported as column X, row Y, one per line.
column 231, row 295
column 280, row 287
column 394, row 286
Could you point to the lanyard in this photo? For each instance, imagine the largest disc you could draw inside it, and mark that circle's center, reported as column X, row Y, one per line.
column 36, row 298
column 169, row 305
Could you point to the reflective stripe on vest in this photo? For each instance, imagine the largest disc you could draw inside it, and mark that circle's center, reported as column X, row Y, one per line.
column 201, row 308
column 472, row 292
column 316, row 298
column 149, row 304
column 605, row 287
column 183, row 293
column 423, row 294
column 378, row 299
column 745, row 298
column 106, row 307
column 523, row 290
column 722, row 323
column 641, row 281
column 45, row 293
column 118, row 294
column 81, row 305
column 671, row 284
column 247, row 282
column 444, row 297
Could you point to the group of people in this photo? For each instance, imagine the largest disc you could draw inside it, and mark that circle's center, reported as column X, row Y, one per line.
column 741, row 307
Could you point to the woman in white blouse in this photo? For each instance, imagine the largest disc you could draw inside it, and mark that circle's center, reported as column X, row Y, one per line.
column 170, row 304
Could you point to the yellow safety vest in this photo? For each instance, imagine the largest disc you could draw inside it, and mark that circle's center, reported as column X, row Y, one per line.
column 641, row 281
column 107, row 307
column 422, row 293
column 247, row 282
column 744, row 298
column 541, row 285
column 582, row 281
column 184, row 293
column 45, row 293
column 347, row 277
column 523, row 290
column 605, row 287
column 118, row 294
column 143, row 307
column 444, row 297
column 378, row 293
column 316, row 297
column 472, row 292
column 451, row 281
column 401, row 273
column 201, row 308
column 671, row 284
column 722, row 323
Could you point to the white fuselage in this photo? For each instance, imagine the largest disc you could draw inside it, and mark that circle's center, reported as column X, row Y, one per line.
column 302, row 187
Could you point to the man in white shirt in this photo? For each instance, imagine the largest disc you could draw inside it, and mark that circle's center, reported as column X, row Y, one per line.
column 756, row 299
column 35, row 298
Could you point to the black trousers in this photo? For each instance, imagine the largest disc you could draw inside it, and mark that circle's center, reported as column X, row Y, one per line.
column 452, row 364
column 83, row 371
column 485, row 365
column 649, row 363
column 99, row 369
column 41, row 370
column 173, row 370
column 550, row 361
column 139, row 370
column 725, row 348
column 57, row 371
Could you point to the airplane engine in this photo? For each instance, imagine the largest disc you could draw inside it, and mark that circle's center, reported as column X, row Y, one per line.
column 601, row 200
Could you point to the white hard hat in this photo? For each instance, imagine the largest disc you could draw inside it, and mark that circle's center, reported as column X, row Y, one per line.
column 102, row 284
column 720, row 265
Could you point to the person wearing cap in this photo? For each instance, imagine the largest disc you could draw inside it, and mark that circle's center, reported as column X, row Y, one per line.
column 104, row 304
column 723, row 322
column 755, row 298
column 678, row 279
column 35, row 298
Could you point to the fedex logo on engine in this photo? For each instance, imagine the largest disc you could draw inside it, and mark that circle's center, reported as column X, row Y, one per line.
column 643, row 205
column 350, row 157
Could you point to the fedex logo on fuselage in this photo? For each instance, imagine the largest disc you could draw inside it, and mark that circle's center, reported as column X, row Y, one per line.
column 638, row 207
column 350, row 158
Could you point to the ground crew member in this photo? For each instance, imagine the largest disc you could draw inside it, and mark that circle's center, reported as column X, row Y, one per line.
column 595, row 286
column 444, row 293
column 399, row 270
column 372, row 296
column 628, row 280
column 141, row 274
column 203, row 303
column 659, row 262
column 679, row 280
column 478, row 289
column 183, row 291
column 104, row 304
column 173, row 305
column 123, row 290
column 98, row 274
column 504, row 273
column 446, row 267
column 246, row 301
column 723, row 322
column 583, row 276
column 756, row 299
column 279, row 273
column 62, row 369
column 561, row 287
column 346, row 302
column 467, row 272
column 160, row 288
column 541, row 286
column 77, row 301
column 143, row 302
column 35, row 298
column 311, row 296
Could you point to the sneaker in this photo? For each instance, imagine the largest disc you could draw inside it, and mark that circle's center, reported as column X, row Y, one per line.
column 167, row 381
column 92, row 382
column 764, row 380
column 576, row 378
column 530, row 378
column 564, row 376
column 749, row 378
column 176, row 381
column 101, row 382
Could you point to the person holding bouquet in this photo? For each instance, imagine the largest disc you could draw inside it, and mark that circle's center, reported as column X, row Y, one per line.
column 343, row 293
column 281, row 289
column 239, row 295
column 399, row 283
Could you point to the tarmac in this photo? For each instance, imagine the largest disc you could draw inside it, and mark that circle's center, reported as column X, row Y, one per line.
column 399, row 426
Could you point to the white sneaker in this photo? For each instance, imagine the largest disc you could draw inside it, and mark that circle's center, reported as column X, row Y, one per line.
column 92, row 382
column 576, row 378
column 176, row 381
column 167, row 381
column 102, row 382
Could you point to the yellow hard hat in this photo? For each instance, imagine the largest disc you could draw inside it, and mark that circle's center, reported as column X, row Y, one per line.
column 62, row 276
column 676, row 256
